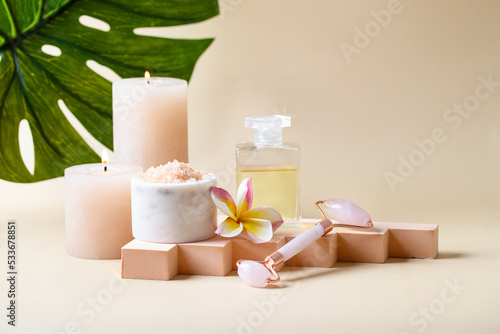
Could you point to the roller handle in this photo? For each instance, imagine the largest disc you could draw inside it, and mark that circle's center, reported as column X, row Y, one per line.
column 305, row 239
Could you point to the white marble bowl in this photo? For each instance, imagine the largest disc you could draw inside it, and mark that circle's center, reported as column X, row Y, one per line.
column 173, row 213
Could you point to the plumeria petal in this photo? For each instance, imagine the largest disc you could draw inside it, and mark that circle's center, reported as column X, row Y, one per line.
column 223, row 200
column 229, row 228
column 267, row 213
column 257, row 230
column 244, row 197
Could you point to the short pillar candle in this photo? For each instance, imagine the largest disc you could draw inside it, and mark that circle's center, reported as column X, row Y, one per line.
column 98, row 212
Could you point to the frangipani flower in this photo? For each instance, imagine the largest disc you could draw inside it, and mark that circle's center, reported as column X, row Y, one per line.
column 256, row 224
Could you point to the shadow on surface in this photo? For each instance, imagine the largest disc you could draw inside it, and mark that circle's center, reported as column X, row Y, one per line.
column 293, row 274
column 180, row 277
column 451, row 255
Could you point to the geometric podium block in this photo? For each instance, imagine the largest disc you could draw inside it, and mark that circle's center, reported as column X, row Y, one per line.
column 210, row 257
column 146, row 260
column 412, row 240
column 218, row 255
column 370, row 246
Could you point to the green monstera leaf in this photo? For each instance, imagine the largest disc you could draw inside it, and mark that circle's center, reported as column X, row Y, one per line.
column 33, row 83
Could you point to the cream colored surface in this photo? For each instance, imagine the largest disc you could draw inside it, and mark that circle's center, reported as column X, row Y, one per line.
column 353, row 122
column 56, row 290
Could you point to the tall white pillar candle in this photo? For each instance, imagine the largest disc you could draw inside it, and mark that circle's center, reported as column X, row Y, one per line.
column 150, row 121
column 98, row 213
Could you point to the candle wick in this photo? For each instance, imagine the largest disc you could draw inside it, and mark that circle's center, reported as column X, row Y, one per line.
column 105, row 168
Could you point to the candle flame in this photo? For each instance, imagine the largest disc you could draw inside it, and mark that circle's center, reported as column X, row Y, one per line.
column 147, row 75
column 104, row 157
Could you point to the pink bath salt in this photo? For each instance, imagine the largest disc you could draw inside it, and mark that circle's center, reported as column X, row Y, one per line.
column 173, row 172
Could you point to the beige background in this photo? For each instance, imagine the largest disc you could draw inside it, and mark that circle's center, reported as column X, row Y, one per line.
column 353, row 120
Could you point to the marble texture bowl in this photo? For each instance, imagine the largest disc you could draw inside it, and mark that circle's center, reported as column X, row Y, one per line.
column 173, row 212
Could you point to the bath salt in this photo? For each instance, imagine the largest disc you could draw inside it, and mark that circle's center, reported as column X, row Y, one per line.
column 173, row 172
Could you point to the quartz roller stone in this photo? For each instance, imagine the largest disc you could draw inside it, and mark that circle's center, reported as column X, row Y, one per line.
column 346, row 213
column 254, row 273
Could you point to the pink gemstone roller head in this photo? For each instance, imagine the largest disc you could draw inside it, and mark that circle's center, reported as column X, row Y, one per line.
column 344, row 213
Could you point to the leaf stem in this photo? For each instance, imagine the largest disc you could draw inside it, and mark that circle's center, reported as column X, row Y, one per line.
column 3, row 97
column 20, row 76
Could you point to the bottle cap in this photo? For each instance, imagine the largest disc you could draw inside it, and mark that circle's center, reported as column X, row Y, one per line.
column 267, row 130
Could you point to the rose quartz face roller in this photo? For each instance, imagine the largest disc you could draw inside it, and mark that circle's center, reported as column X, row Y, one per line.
column 343, row 213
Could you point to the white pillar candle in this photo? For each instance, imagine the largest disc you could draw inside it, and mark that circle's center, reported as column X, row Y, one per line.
column 173, row 212
column 150, row 121
column 98, row 214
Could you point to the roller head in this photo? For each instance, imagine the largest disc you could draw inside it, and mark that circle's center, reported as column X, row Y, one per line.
column 346, row 213
column 254, row 273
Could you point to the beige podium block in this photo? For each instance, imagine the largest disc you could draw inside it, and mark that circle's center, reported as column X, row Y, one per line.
column 146, row 260
column 218, row 255
column 412, row 240
column 211, row 257
column 357, row 245
column 244, row 249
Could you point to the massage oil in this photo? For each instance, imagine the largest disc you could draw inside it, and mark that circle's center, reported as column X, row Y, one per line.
column 273, row 166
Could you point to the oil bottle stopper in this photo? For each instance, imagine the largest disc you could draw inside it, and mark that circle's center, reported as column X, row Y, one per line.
column 267, row 130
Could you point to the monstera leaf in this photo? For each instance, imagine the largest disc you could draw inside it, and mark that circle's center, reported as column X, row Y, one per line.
column 33, row 82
